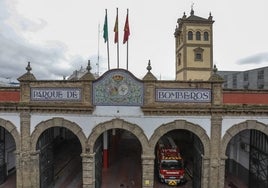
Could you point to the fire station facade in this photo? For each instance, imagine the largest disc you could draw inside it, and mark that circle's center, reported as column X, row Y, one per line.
column 94, row 109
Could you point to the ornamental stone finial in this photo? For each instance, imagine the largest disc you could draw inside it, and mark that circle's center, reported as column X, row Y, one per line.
column 149, row 68
column 88, row 75
column 192, row 9
column 149, row 76
column 88, row 66
column 28, row 68
column 28, row 75
column 210, row 17
column 215, row 69
column 184, row 16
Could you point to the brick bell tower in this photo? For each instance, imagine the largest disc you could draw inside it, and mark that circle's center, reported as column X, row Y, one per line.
column 194, row 47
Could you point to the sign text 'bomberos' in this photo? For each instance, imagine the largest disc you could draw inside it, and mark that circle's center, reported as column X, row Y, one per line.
column 183, row 95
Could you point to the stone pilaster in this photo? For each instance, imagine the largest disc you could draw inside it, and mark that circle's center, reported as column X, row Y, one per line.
column 18, row 170
column 88, row 166
column 25, row 128
column 215, row 152
column 35, row 178
column 24, row 162
column 222, row 172
column 147, row 171
column 149, row 93
column 205, row 172
column 216, row 84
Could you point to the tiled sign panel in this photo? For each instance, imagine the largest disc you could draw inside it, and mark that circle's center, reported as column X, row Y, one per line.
column 118, row 88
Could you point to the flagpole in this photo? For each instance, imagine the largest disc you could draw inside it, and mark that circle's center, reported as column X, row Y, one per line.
column 106, row 37
column 98, row 61
column 108, row 53
column 127, row 45
column 126, row 36
column 117, row 39
column 127, row 55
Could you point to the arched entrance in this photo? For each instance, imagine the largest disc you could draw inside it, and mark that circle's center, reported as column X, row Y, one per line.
column 193, row 145
column 118, row 147
column 59, row 146
column 247, row 155
column 8, row 142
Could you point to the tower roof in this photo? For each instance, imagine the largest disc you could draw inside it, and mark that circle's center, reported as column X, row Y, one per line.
column 194, row 18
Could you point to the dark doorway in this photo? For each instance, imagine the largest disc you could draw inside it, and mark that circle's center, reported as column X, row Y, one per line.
column 191, row 150
column 124, row 168
column 7, row 158
column 59, row 161
column 247, row 163
column 258, row 159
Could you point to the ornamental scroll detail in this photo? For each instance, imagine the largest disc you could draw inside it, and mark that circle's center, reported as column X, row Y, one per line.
column 118, row 88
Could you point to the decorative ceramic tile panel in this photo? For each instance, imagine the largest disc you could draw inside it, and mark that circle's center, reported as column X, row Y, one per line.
column 118, row 87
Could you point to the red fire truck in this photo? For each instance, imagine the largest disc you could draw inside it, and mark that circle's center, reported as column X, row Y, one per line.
column 170, row 167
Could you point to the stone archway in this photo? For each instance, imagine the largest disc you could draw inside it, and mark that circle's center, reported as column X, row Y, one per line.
column 57, row 122
column 235, row 129
column 200, row 157
column 181, row 124
column 12, row 130
column 48, row 167
column 10, row 137
column 89, row 165
column 119, row 124
column 244, row 146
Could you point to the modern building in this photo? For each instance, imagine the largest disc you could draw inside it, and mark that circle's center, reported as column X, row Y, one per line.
column 54, row 130
column 250, row 79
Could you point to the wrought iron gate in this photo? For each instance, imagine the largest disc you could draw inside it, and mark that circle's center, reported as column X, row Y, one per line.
column 46, row 160
column 3, row 170
column 258, row 160
column 197, row 161
column 98, row 162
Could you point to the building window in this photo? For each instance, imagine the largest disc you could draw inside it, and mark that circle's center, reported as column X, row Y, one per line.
column 261, row 75
column 225, row 85
column 206, row 36
column 179, row 59
column 260, row 79
column 190, row 35
column 198, row 35
column 246, row 83
column 234, row 81
column 245, row 76
column 198, row 54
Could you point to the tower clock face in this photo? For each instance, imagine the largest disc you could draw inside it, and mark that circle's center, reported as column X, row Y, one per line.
column 123, row 89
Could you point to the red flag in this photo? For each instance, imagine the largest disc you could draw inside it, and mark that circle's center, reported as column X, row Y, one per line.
column 126, row 30
column 116, row 29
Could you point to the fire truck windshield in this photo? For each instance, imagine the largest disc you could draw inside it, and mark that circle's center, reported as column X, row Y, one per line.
column 171, row 164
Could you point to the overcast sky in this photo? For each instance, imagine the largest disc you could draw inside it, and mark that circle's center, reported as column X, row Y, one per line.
column 59, row 36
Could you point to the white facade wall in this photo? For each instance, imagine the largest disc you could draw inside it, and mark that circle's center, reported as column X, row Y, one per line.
column 130, row 114
column 229, row 121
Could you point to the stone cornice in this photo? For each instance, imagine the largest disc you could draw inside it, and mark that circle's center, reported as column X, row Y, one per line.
column 46, row 108
column 225, row 110
column 203, row 111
